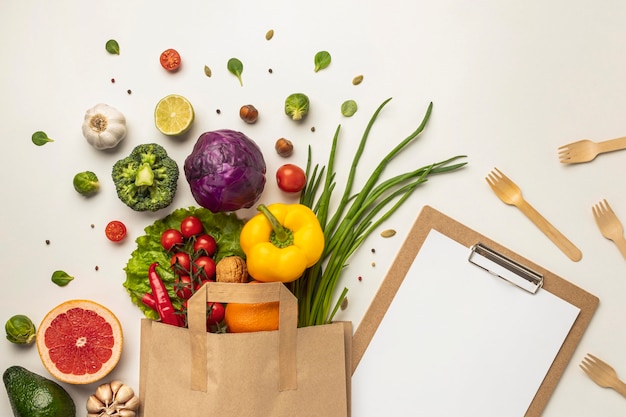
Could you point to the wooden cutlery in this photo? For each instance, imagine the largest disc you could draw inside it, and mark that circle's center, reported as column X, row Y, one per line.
column 586, row 150
column 602, row 374
column 511, row 194
column 609, row 225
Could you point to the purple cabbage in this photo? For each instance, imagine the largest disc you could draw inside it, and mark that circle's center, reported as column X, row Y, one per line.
column 225, row 170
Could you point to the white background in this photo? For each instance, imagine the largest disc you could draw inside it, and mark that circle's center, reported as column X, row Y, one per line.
column 510, row 82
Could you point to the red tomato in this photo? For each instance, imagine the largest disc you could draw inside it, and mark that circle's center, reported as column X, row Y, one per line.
column 170, row 59
column 215, row 314
column 181, row 263
column 115, row 231
column 183, row 287
column 171, row 238
column 205, row 243
column 290, row 178
column 205, row 263
column 200, row 283
column 191, row 226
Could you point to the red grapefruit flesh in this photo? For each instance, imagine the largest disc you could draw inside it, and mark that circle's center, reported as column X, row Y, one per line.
column 79, row 341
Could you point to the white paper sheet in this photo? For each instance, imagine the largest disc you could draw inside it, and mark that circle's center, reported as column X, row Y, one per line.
column 457, row 341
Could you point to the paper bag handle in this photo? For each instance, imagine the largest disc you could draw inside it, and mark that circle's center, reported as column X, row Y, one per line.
column 244, row 293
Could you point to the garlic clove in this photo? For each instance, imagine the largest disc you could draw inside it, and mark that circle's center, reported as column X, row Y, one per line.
column 126, row 413
column 94, row 405
column 104, row 394
column 115, row 385
column 124, row 394
column 131, row 404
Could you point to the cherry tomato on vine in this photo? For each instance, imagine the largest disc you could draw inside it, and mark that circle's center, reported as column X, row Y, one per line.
column 170, row 59
column 191, row 226
column 181, row 263
column 171, row 238
column 215, row 314
column 183, row 286
column 205, row 243
column 290, row 178
column 205, row 263
column 115, row 231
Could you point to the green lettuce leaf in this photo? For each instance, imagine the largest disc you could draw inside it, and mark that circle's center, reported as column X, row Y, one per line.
column 224, row 227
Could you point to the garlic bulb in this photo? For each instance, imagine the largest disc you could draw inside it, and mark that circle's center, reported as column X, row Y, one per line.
column 114, row 399
column 104, row 126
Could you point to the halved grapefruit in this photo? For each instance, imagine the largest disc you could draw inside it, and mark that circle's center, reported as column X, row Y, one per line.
column 79, row 341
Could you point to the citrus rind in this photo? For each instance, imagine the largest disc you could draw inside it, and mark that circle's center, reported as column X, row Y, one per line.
column 173, row 115
column 83, row 345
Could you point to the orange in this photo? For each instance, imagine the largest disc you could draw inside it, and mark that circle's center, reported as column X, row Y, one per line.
column 79, row 341
column 255, row 317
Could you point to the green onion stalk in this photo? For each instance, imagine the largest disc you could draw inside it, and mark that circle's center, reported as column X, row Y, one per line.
column 355, row 218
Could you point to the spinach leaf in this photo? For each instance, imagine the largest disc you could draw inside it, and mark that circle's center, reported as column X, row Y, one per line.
column 236, row 68
column 322, row 60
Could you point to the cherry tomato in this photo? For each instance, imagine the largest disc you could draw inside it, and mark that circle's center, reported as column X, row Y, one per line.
column 170, row 59
column 171, row 238
column 191, row 226
column 181, row 263
column 215, row 314
column 200, row 283
column 207, row 263
column 290, row 178
column 183, row 287
column 205, row 243
column 115, row 231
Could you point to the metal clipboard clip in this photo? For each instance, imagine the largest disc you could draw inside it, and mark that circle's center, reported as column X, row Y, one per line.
column 505, row 268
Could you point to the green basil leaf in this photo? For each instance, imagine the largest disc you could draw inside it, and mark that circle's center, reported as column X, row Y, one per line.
column 41, row 138
column 61, row 278
column 112, row 47
column 322, row 60
column 236, row 68
column 348, row 108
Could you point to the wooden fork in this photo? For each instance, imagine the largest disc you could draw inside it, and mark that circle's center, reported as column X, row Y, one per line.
column 609, row 225
column 602, row 374
column 586, row 150
column 511, row 194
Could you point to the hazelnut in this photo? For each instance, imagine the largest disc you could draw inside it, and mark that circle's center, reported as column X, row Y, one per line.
column 248, row 113
column 284, row 147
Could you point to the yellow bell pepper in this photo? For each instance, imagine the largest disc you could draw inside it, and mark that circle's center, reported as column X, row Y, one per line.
column 281, row 242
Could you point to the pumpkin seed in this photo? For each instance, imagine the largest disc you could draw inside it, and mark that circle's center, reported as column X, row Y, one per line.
column 388, row 233
column 357, row 80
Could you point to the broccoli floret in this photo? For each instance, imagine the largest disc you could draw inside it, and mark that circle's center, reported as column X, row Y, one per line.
column 147, row 178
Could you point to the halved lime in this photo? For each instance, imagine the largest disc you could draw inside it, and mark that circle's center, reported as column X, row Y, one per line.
column 173, row 115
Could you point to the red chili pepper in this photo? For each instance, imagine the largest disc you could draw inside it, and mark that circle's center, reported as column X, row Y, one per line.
column 163, row 303
column 148, row 300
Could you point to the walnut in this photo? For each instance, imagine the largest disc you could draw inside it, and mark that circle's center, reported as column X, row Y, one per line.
column 231, row 269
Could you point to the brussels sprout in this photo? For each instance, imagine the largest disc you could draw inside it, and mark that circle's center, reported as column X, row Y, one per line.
column 20, row 330
column 86, row 183
column 297, row 106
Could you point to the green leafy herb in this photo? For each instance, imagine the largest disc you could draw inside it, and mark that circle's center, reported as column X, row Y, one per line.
column 112, row 47
column 348, row 108
column 224, row 227
column 236, row 68
column 322, row 60
column 356, row 216
column 41, row 138
column 61, row 278
column 207, row 71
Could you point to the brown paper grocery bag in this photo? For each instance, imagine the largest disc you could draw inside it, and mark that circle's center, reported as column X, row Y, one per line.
column 294, row 372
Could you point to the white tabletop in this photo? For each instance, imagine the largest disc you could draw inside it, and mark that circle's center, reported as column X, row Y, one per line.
column 510, row 83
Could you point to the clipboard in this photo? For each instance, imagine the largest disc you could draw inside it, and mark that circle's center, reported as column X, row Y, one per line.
column 540, row 278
